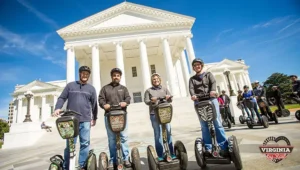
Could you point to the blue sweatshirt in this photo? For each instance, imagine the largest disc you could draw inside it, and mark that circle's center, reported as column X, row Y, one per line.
column 248, row 94
column 82, row 98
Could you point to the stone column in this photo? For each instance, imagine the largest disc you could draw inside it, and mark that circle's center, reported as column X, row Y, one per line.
column 234, row 82
column 70, row 64
column 185, row 71
column 96, row 68
column 242, row 83
column 225, row 83
column 248, row 79
column 169, row 66
column 54, row 100
column 190, row 48
column 120, row 61
column 20, row 108
column 44, row 111
column 144, row 64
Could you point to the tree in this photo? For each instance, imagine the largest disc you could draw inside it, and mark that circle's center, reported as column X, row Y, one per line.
column 282, row 81
column 4, row 128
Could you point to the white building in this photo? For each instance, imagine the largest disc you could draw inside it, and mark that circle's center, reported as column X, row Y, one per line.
column 138, row 39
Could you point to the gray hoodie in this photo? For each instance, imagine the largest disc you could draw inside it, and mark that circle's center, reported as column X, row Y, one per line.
column 155, row 92
column 200, row 84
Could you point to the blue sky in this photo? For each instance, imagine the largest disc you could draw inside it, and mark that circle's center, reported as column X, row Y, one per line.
column 266, row 34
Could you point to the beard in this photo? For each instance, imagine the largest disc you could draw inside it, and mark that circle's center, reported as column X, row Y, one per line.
column 116, row 81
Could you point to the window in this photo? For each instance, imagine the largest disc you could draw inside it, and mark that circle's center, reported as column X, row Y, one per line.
column 40, row 117
column 134, row 72
column 137, row 97
column 153, row 70
column 51, row 110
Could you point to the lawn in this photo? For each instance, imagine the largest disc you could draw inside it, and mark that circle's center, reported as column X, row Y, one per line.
column 1, row 143
column 289, row 106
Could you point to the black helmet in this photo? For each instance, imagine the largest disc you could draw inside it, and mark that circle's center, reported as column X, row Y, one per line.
column 115, row 70
column 246, row 86
column 197, row 60
column 293, row 76
column 84, row 68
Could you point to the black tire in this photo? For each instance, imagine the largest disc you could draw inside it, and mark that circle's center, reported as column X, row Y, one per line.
column 200, row 157
column 286, row 113
column 249, row 124
column 136, row 160
column 181, row 153
column 237, row 160
column 241, row 118
column 103, row 161
column 278, row 113
column 275, row 118
column 152, row 158
column 228, row 123
column 297, row 114
column 265, row 121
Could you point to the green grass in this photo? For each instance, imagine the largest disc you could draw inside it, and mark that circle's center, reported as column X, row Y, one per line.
column 1, row 143
column 288, row 106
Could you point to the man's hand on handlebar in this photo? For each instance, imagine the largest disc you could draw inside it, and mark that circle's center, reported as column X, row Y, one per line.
column 56, row 113
column 153, row 99
column 168, row 97
column 194, row 97
column 106, row 106
column 123, row 104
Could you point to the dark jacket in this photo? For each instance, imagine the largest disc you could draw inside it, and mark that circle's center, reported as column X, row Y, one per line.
column 155, row 92
column 240, row 97
column 259, row 91
column 277, row 94
column 227, row 99
column 296, row 86
column 205, row 83
column 113, row 95
column 82, row 98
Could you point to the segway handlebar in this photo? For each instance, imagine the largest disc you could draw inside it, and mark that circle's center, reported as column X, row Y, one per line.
column 68, row 112
column 204, row 96
column 163, row 98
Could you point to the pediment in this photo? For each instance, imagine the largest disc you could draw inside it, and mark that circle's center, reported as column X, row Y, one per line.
column 226, row 64
column 35, row 86
column 126, row 16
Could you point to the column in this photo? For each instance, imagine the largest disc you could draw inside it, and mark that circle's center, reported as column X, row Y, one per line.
column 96, row 68
column 20, row 108
column 248, row 78
column 33, row 114
column 144, row 64
column 70, row 64
column 54, row 100
column 225, row 83
column 120, row 61
column 185, row 71
column 234, row 82
column 190, row 48
column 242, row 83
column 169, row 66
column 44, row 110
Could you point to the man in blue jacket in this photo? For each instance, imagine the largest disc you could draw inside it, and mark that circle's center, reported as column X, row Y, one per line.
column 82, row 98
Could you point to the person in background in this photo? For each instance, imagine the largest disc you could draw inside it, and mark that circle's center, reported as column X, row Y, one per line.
column 241, row 102
column 227, row 101
column 296, row 88
column 278, row 98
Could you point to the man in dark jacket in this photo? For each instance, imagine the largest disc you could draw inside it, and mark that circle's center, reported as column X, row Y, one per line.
column 260, row 95
column 115, row 94
column 296, row 88
column 82, row 98
column 226, row 100
column 278, row 98
column 205, row 83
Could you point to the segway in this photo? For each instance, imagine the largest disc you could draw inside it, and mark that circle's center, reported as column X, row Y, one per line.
column 68, row 128
column 282, row 112
column 242, row 118
column 262, row 121
column 117, row 119
column 163, row 113
column 297, row 114
column 225, row 117
column 207, row 112
column 273, row 117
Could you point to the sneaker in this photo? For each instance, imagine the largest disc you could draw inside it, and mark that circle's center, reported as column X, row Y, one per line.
column 127, row 164
column 224, row 153
column 173, row 156
column 160, row 159
column 111, row 165
column 207, row 152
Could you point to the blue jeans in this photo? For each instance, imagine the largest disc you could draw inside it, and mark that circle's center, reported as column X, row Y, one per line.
column 84, row 138
column 112, row 143
column 158, row 136
column 219, row 130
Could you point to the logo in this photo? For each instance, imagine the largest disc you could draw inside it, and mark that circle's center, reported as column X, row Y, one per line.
column 276, row 149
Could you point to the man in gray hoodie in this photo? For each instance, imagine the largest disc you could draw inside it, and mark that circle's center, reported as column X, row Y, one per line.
column 205, row 83
column 82, row 98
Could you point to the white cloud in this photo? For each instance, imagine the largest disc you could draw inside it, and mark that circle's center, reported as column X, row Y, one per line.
column 271, row 22
column 40, row 15
column 222, row 33
column 286, row 27
column 15, row 44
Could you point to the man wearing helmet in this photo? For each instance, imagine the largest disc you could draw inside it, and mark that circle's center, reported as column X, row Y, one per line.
column 115, row 94
column 296, row 88
column 260, row 95
column 82, row 98
column 205, row 83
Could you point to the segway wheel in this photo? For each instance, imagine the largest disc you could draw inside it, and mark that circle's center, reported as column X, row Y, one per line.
column 103, row 161
column 181, row 153
column 199, row 156
column 275, row 118
column 265, row 121
column 136, row 160
column 285, row 112
column 92, row 161
column 152, row 158
column 297, row 114
column 54, row 167
column 228, row 124
column 237, row 160
column 241, row 118
column 249, row 124
column 278, row 113
column 56, row 162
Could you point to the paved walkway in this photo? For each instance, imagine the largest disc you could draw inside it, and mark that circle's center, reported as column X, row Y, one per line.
column 249, row 139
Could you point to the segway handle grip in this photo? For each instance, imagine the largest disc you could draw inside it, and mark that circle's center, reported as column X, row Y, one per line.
column 162, row 98
column 71, row 112
column 202, row 95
